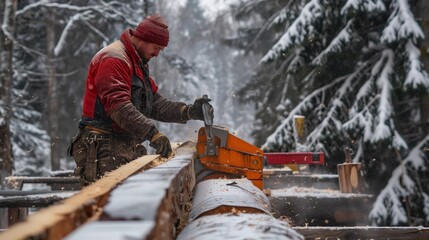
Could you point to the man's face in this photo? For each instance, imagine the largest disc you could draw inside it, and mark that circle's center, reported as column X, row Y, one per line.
column 149, row 50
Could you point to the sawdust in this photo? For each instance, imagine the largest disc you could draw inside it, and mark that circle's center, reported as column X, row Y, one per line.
column 11, row 182
column 161, row 160
column 267, row 192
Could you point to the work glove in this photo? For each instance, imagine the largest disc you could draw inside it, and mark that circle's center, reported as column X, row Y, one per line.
column 161, row 143
column 195, row 111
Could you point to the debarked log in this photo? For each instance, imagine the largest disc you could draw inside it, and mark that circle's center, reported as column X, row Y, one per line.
column 238, row 226
column 233, row 209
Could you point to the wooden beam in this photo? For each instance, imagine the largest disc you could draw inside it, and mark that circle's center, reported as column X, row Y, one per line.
column 57, row 221
column 280, row 179
column 148, row 205
column 321, row 207
column 24, row 179
column 34, row 200
column 364, row 232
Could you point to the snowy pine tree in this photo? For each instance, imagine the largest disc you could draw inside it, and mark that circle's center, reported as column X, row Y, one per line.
column 353, row 68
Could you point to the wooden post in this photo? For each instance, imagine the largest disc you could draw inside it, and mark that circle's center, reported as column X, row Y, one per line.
column 17, row 215
column 300, row 136
column 299, row 133
column 349, row 174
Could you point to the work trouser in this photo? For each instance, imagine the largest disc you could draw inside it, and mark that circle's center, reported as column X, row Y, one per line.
column 96, row 153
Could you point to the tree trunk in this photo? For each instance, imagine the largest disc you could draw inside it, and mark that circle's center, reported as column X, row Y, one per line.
column 52, row 93
column 6, row 48
column 421, row 14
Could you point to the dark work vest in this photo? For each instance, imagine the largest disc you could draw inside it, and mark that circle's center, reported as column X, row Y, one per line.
column 141, row 98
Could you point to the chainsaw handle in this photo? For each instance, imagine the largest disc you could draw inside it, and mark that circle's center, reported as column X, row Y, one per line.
column 211, row 148
column 207, row 112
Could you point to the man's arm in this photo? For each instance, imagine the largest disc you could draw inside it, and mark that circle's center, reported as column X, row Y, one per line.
column 168, row 111
column 113, row 85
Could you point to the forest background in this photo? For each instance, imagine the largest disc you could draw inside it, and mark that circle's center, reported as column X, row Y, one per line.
column 356, row 69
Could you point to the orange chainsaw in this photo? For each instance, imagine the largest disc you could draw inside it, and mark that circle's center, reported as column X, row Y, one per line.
column 218, row 150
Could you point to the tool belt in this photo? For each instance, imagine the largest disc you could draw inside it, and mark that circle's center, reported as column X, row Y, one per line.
column 92, row 141
column 97, row 130
column 92, row 138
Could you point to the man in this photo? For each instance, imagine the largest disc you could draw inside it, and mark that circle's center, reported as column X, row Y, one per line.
column 120, row 99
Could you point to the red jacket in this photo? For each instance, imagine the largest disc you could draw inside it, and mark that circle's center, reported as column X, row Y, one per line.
column 109, row 76
column 109, row 80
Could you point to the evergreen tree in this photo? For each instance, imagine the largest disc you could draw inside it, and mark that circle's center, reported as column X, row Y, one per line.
column 353, row 68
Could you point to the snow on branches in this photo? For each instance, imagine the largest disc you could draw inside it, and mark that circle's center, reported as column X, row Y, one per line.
column 336, row 45
column 363, row 5
column 370, row 95
column 416, row 76
column 296, row 33
column 359, row 69
column 91, row 14
column 390, row 207
column 401, row 24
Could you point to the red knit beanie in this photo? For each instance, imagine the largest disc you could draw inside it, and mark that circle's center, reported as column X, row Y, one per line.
column 152, row 29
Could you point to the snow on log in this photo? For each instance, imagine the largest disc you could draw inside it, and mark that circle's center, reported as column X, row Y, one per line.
column 57, row 221
column 222, row 195
column 233, row 209
column 238, row 226
column 113, row 230
column 148, row 205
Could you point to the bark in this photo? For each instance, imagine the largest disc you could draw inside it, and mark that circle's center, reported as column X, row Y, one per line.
column 6, row 45
column 52, row 93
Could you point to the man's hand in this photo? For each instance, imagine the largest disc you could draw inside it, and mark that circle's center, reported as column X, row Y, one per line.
column 195, row 111
column 161, row 143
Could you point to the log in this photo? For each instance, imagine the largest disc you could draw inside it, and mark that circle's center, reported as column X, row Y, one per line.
column 57, row 221
column 238, row 226
column 148, row 205
column 233, row 209
column 350, row 178
column 216, row 196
